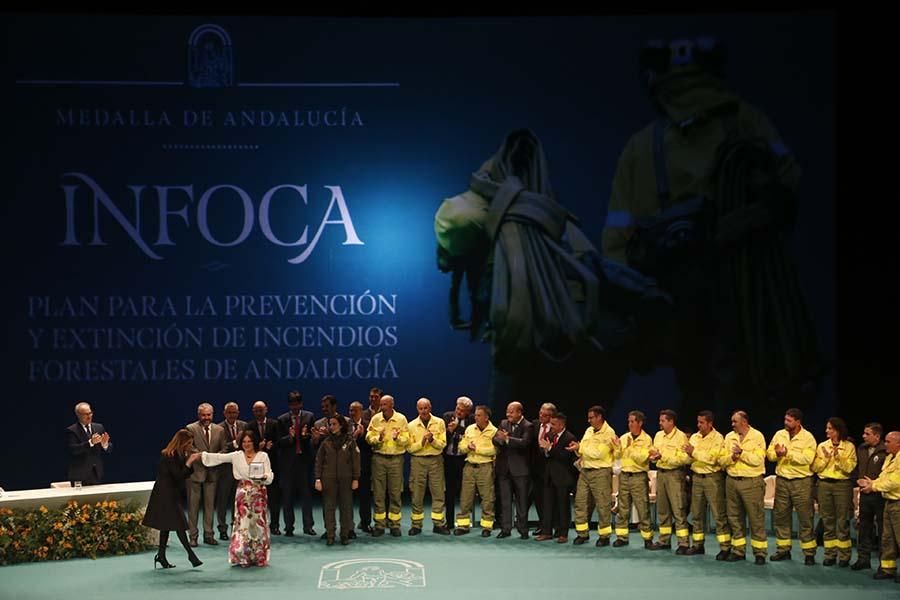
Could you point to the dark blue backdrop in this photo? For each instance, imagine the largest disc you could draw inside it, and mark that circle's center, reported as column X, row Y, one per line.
column 453, row 89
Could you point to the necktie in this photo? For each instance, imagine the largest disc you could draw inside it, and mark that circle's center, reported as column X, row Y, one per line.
column 297, row 448
column 553, row 440
column 262, row 429
column 544, row 432
column 208, row 441
column 87, row 430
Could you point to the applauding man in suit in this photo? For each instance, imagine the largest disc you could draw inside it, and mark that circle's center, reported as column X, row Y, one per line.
column 87, row 442
column 513, row 441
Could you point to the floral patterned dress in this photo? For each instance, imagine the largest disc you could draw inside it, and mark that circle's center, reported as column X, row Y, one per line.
column 250, row 536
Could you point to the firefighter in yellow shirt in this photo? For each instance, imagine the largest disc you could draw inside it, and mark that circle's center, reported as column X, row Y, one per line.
column 744, row 461
column 670, row 458
column 388, row 435
column 793, row 450
column 427, row 439
column 888, row 484
column 478, row 473
column 705, row 449
column 834, row 463
column 597, row 450
column 633, row 448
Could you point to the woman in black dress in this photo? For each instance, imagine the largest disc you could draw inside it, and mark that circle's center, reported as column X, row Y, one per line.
column 164, row 509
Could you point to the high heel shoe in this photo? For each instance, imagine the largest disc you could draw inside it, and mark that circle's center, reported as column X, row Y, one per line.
column 162, row 562
column 195, row 562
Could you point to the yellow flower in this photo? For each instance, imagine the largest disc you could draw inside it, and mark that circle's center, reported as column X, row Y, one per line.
column 113, row 504
column 43, row 509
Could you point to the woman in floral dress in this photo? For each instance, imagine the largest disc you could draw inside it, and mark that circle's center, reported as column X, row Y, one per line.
column 253, row 470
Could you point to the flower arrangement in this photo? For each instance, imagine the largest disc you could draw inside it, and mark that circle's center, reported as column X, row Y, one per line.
column 74, row 531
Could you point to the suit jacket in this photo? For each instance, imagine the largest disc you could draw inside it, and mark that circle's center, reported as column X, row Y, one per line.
column 454, row 438
column 216, row 444
column 560, row 463
column 85, row 460
column 270, row 432
column 287, row 445
column 229, row 439
column 514, row 456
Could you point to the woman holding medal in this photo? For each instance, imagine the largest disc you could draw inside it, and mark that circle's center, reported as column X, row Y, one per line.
column 253, row 470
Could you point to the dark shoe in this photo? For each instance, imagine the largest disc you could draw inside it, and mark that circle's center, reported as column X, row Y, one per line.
column 882, row 574
column 223, row 536
column 859, row 565
column 537, row 532
column 732, row 557
column 648, row 545
column 329, row 541
column 760, row 560
column 288, row 533
column 460, row 531
column 780, row 555
column 523, row 535
column 658, row 546
column 415, row 531
column 485, row 533
column 843, row 564
column 275, row 531
column 441, row 530
column 195, row 562
column 503, row 534
column 162, row 562
column 723, row 555
column 324, row 536
column 377, row 532
column 620, row 542
column 695, row 550
column 829, row 562
column 682, row 551
column 809, row 560
column 365, row 528
column 563, row 539
column 543, row 537
column 344, row 540
column 310, row 531
column 579, row 540
column 602, row 542
column 395, row 531
column 352, row 535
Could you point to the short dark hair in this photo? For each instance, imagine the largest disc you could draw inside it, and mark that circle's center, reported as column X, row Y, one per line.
column 486, row 409
column 708, row 415
column 638, row 416
column 598, row 410
column 794, row 413
column 561, row 416
column 876, row 428
column 295, row 396
column 669, row 414
column 252, row 434
column 332, row 400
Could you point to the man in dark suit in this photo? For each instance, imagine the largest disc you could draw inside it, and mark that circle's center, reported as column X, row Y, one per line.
column 87, row 442
column 295, row 459
column 208, row 437
column 374, row 406
column 456, row 422
column 538, row 461
column 559, row 479
column 226, row 486
column 267, row 430
column 514, row 442
column 364, row 491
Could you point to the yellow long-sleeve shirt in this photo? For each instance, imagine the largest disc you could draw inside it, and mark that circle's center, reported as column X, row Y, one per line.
column 671, row 449
column 751, row 462
column 417, row 431
column 707, row 454
column 888, row 483
column 485, row 450
column 596, row 448
column 841, row 463
column 634, row 452
column 801, row 450
column 388, row 445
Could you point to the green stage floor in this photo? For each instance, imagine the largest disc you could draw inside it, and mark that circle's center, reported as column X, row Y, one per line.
column 442, row 567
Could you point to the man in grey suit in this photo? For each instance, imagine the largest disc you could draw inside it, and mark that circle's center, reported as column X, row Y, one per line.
column 514, row 442
column 208, row 437
column 226, row 486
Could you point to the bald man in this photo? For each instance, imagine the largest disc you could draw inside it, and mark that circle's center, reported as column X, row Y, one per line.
column 888, row 484
column 513, row 441
column 388, row 434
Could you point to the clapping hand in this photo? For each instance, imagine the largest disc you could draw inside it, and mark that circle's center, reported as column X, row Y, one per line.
column 502, row 435
column 104, row 440
column 95, row 439
column 427, row 438
column 354, row 484
column 780, row 450
column 472, row 445
column 573, row 446
column 689, row 450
